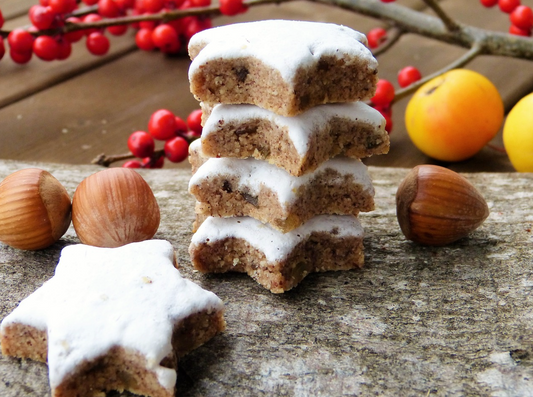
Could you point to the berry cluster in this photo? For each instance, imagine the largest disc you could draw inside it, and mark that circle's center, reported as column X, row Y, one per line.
column 520, row 16
column 173, row 130
column 51, row 34
column 385, row 92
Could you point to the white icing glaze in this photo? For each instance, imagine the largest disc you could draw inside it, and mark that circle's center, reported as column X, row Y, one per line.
column 284, row 45
column 273, row 243
column 301, row 127
column 252, row 174
column 129, row 296
column 196, row 147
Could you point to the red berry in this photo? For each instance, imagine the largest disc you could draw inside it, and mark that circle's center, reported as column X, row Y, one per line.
column 89, row 18
column 141, row 144
column 153, row 5
column 138, row 7
column 117, row 30
column 150, row 25
column 408, row 75
column 2, row 48
column 132, row 164
column 519, row 32
column 46, row 48
column 125, row 4
column 522, row 17
column 176, row 149
column 65, row 49
column 20, row 40
column 97, row 43
column 44, row 2
column 376, row 36
column 77, row 35
column 200, row 3
column 508, row 6
column 162, row 125
column 90, row 2
column 384, row 93
column 1, row 19
column 489, row 3
column 174, row 4
column 143, row 39
column 20, row 57
column 181, row 126
column 232, row 7
column 62, row 6
column 195, row 25
column 194, row 121
column 387, row 1
column 166, row 38
column 149, row 162
column 108, row 8
column 41, row 17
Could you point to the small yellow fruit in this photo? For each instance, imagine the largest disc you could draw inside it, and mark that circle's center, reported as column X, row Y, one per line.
column 114, row 207
column 437, row 206
column 453, row 116
column 34, row 209
column 518, row 135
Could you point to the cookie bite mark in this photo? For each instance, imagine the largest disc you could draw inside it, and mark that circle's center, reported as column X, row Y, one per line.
column 291, row 66
column 297, row 144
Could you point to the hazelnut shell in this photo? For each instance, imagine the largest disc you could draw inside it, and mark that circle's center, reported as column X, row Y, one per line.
column 114, row 207
column 35, row 209
column 437, row 206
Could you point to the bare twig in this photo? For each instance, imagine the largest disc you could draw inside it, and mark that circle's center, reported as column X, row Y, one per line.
column 106, row 161
column 450, row 23
column 403, row 18
column 459, row 62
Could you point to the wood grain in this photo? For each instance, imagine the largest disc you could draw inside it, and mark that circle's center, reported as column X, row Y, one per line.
column 415, row 321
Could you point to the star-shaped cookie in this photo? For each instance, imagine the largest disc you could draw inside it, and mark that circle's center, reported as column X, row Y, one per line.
column 113, row 319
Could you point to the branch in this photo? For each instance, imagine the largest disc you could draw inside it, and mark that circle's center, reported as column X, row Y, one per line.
column 450, row 23
column 405, row 19
column 459, row 62
column 408, row 20
column 106, row 161
column 393, row 35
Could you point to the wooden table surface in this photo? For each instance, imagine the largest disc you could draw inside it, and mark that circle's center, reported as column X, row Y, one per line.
column 414, row 321
column 71, row 111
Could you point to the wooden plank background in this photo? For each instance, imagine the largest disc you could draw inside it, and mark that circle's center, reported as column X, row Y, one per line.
column 71, row 111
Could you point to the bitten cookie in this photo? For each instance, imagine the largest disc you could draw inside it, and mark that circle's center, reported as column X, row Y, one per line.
column 113, row 319
column 284, row 66
column 297, row 144
column 228, row 187
column 275, row 260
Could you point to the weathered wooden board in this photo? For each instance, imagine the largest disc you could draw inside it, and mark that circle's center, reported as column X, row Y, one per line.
column 416, row 321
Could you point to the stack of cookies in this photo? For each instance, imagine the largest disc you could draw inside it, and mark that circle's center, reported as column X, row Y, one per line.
column 277, row 172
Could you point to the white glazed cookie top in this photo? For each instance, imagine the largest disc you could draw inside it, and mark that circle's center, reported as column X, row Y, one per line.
column 129, row 296
column 251, row 174
column 284, row 45
column 274, row 244
column 300, row 128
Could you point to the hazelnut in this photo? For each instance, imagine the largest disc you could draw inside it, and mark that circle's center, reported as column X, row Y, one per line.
column 114, row 207
column 34, row 209
column 437, row 206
